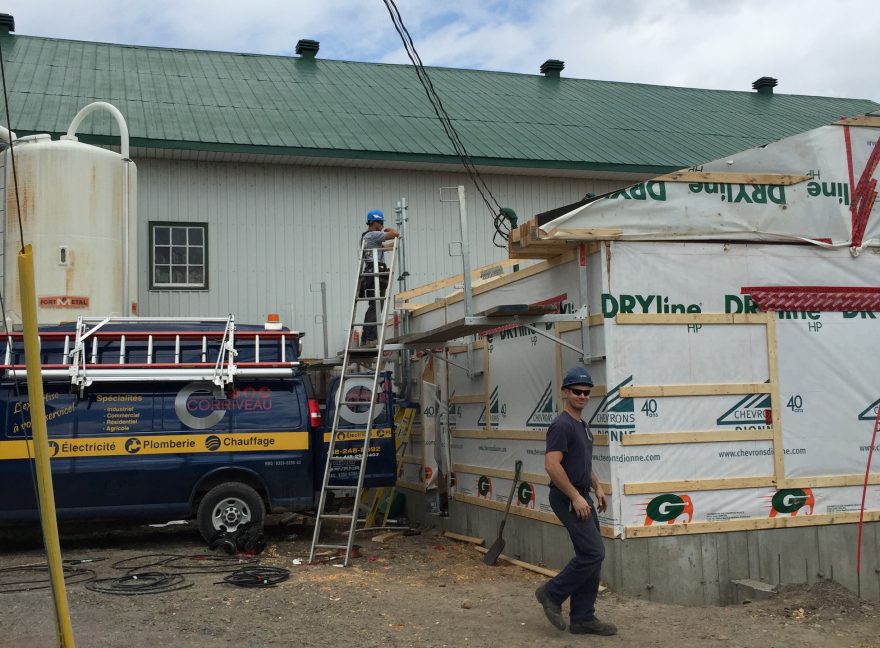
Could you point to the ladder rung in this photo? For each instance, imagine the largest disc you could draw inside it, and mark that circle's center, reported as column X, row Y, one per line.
column 329, row 546
column 375, row 274
column 339, row 487
column 337, row 516
column 346, row 459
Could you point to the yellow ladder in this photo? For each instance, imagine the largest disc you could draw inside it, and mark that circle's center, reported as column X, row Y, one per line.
column 404, row 418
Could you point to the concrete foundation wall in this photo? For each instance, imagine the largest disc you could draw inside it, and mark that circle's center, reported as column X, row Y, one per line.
column 684, row 569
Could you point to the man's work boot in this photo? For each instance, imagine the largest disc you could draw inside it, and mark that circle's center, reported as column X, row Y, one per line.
column 593, row 626
column 552, row 610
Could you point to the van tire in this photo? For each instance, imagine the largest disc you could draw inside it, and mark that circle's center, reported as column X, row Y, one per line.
column 227, row 507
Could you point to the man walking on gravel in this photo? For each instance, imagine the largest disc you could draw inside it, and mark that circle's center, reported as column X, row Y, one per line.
column 569, row 463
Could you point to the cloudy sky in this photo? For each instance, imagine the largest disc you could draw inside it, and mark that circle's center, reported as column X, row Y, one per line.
column 813, row 47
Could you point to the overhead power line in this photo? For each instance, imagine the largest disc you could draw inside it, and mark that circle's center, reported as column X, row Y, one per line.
column 501, row 218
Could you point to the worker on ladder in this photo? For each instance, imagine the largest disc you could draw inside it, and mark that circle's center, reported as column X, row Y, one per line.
column 374, row 238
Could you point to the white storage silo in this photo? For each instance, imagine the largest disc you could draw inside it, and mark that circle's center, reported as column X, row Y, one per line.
column 77, row 205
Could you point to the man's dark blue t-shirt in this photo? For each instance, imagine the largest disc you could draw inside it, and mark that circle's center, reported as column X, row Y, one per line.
column 573, row 439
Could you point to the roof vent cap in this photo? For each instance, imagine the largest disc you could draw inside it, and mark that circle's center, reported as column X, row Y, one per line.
column 307, row 48
column 551, row 68
column 7, row 23
column 765, row 85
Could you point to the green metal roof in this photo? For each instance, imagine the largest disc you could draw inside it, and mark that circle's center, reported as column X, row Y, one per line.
column 230, row 102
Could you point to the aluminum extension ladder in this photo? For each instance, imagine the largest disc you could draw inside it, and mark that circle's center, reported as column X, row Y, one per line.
column 369, row 272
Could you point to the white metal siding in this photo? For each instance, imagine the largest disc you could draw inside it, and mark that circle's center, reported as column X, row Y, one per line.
column 276, row 230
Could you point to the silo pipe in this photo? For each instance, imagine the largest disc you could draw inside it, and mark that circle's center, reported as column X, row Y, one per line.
column 123, row 150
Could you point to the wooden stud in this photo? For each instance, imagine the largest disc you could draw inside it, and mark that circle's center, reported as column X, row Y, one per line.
column 722, row 483
column 707, row 436
column 601, row 439
column 830, row 481
column 532, row 514
column 720, row 389
column 749, row 524
column 501, row 473
column 463, row 538
column 519, row 563
column 495, row 433
column 466, row 399
column 693, row 318
column 872, row 121
column 505, row 280
column 724, row 177
column 451, row 281
column 775, row 403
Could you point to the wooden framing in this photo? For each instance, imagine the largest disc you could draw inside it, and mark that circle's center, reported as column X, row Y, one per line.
column 501, row 473
column 707, row 436
column 532, row 514
column 496, row 433
column 721, row 483
column 451, row 281
column 720, row 389
column 504, row 280
column 872, row 121
column 723, row 177
column 749, row 524
column 467, row 399
column 773, row 434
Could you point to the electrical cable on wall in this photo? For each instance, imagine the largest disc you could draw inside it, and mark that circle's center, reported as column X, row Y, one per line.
column 503, row 217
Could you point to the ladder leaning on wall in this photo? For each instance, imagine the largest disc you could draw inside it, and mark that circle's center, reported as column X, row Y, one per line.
column 371, row 275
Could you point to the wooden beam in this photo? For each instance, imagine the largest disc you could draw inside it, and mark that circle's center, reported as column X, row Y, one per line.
column 693, row 318
column 725, row 177
column 830, row 481
column 451, row 281
column 504, row 280
column 519, row 563
column 532, row 514
column 501, row 473
column 463, row 538
column 467, row 399
column 705, row 436
column 872, row 121
column 775, row 404
column 720, row 389
column 592, row 320
column 494, row 433
column 723, row 483
column 750, row 524
column 601, row 439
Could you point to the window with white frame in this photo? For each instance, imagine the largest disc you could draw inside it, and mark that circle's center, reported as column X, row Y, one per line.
column 178, row 256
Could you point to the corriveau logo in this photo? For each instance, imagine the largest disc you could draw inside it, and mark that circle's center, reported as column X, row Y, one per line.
column 791, row 501
column 668, row 508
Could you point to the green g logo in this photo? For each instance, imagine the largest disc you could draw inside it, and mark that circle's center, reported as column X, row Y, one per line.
column 525, row 494
column 792, row 500
column 667, row 508
column 484, row 486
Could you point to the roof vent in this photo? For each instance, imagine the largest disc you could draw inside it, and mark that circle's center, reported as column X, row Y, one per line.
column 551, row 68
column 7, row 24
column 307, row 48
column 765, row 85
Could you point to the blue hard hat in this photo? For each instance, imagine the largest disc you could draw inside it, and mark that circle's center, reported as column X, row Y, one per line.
column 375, row 216
column 577, row 376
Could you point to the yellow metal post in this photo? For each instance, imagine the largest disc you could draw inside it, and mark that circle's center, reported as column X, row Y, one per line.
column 63, row 629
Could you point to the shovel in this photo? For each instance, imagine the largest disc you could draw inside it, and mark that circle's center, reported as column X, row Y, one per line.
column 495, row 550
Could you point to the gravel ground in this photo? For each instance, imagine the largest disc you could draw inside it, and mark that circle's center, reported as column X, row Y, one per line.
column 422, row 590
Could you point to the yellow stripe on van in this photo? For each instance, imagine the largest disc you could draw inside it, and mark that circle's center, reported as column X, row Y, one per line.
column 156, row 444
column 358, row 435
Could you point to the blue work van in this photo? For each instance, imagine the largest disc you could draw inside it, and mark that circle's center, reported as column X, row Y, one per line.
column 161, row 420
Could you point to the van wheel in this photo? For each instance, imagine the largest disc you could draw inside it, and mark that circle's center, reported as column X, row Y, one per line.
column 228, row 507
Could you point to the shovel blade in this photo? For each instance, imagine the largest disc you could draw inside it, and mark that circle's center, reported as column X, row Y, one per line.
column 495, row 550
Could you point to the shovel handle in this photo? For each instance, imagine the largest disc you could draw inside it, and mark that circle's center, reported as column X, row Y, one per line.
column 516, row 470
